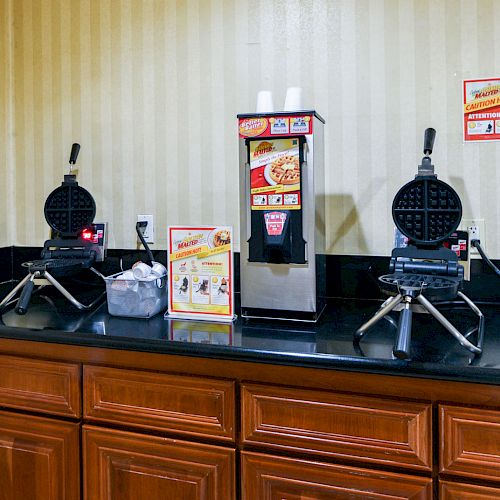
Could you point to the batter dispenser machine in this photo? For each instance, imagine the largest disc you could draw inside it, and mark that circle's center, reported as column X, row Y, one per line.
column 282, row 209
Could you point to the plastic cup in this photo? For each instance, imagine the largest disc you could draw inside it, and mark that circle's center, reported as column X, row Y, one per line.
column 158, row 269
column 141, row 270
column 293, row 99
column 264, row 102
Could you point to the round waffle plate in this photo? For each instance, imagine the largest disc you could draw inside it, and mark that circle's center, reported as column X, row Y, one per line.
column 427, row 210
column 69, row 209
column 433, row 287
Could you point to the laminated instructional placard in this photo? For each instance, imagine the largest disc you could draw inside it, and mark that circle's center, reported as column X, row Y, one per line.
column 200, row 266
column 481, row 101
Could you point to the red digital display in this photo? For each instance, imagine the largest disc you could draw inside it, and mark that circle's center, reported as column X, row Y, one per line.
column 87, row 234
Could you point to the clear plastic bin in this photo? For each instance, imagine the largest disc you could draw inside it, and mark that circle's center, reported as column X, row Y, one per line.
column 136, row 299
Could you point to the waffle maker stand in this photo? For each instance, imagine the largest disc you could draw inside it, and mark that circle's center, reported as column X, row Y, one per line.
column 68, row 210
column 426, row 211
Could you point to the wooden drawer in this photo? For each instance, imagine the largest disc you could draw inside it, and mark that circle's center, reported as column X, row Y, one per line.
column 125, row 465
column 40, row 386
column 187, row 405
column 460, row 491
column 369, row 429
column 267, row 477
column 469, row 442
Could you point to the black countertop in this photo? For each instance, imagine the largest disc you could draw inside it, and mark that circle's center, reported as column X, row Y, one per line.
column 327, row 345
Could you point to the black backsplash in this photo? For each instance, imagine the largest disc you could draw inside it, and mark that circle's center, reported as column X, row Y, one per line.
column 6, row 263
column 347, row 276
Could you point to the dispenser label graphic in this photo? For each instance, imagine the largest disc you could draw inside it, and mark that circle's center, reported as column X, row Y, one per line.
column 256, row 126
column 275, row 174
column 275, row 222
column 200, row 264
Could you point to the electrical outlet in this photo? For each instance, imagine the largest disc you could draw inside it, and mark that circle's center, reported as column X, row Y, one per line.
column 149, row 232
column 476, row 230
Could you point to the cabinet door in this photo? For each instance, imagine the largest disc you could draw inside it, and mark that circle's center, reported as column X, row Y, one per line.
column 39, row 458
column 276, row 478
column 122, row 465
column 470, row 442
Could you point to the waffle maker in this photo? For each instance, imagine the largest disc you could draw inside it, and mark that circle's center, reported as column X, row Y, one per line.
column 426, row 211
column 69, row 211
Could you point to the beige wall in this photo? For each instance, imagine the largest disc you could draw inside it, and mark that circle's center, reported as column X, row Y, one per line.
column 150, row 88
column 6, row 108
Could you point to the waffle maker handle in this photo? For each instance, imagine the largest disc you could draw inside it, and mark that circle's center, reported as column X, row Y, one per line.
column 24, row 299
column 429, row 136
column 75, row 149
column 403, row 339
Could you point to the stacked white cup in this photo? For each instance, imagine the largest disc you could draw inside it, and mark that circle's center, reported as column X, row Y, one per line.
column 264, row 102
column 293, row 99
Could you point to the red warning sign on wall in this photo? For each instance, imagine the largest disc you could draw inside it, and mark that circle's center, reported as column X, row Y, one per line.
column 481, row 102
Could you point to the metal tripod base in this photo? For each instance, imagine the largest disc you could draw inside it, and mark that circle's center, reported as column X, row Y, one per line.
column 401, row 348
column 26, row 287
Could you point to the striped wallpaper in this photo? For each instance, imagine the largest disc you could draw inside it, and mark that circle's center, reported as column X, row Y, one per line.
column 151, row 88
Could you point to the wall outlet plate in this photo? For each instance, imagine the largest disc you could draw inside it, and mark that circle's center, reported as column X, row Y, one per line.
column 476, row 230
column 149, row 232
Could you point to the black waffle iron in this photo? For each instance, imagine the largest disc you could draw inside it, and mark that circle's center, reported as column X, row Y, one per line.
column 427, row 211
column 69, row 211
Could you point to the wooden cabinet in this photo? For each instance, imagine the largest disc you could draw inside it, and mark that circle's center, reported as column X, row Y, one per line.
column 266, row 477
column 128, row 466
column 462, row 491
column 155, row 426
column 39, row 458
column 470, row 442
column 374, row 430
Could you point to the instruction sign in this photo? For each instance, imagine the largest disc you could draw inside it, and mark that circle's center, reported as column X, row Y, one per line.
column 481, row 101
column 200, row 270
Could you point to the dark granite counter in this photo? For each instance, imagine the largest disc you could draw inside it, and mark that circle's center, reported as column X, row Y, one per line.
column 327, row 345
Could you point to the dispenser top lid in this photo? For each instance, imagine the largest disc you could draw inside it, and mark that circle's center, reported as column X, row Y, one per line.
column 282, row 113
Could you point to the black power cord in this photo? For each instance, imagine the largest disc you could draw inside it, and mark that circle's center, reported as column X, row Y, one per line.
column 140, row 227
column 477, row 244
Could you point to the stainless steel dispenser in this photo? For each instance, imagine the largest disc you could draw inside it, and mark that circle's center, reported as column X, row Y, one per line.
column 282, row 208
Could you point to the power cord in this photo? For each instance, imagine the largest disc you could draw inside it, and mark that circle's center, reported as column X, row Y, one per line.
column 140, row 227
column 477, row 244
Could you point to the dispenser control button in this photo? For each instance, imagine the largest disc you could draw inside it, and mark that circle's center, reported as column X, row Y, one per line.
column 275, row 222
column 279, row 125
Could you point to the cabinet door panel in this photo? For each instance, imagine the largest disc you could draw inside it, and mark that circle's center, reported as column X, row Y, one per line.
column 470, row 442
column 122, row 465
column 267, row 477
column 368, row 429
column 460, row 491
column 186, row 405
column 39, row 458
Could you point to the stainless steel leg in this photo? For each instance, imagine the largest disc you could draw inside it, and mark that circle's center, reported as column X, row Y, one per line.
column 14, row 291
column 386, row 308
column 461, row 339
column 70, row 297
column 480, row 328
